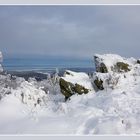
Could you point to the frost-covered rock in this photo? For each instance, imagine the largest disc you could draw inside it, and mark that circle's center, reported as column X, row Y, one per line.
column 112, row 62
column 112, row 68
column 75, row 82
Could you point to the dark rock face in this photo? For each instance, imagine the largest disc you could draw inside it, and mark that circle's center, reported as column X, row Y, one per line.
column 121, row 66
column 103, row 68
column 68, row 89
column 99, row 84
column 100, row 67
column 138, row 61
column 80, row 89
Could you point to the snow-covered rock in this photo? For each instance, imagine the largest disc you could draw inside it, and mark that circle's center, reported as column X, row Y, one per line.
column 112, row 62
column 75, row 82
column 111, row 68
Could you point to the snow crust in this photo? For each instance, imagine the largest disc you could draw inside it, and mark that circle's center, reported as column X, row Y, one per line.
column 80, row 78
column 114, row 110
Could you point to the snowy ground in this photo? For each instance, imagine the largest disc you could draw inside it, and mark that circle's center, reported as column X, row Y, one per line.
column 110, row 111
column 105, row 112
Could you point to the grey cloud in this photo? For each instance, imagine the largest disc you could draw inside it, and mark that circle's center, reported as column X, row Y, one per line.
column 69, row 31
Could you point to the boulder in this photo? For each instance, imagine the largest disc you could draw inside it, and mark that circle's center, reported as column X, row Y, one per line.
column 111, row 63
column 99, row 84
column 80, row 89
column 122, row 67
column 138, row 61
column 74, row 82
column 108, row 68
column 67, row 88
column 100, row 66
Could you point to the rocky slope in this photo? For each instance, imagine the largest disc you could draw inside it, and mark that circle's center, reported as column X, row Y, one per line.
column 106, row 102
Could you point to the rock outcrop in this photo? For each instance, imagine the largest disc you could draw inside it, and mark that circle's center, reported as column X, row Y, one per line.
column 138, row 61
column 74, row 83
column 99, row 83
column 109, row 67
column 100, row 66
column 122, row 67
column 111, row 62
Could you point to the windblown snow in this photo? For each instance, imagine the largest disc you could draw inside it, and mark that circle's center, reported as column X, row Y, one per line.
column 38, row 107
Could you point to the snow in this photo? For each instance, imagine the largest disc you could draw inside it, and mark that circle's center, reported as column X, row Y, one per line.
column 111, row 59
column 80, row 78
column 114, row 110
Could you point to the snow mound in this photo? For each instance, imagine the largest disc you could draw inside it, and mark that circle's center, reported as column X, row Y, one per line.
column 30, row 95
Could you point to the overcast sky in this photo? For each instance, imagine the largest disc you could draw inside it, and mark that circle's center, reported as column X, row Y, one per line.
column 69, row 31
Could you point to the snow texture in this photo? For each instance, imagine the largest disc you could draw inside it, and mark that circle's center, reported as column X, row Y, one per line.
column 110, row 60
column 80, row 78
column 38, row 107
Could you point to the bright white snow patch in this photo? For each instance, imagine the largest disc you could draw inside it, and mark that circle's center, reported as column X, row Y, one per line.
column 80, row 78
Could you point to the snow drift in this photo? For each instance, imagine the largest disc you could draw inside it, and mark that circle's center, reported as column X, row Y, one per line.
column 111, row 105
